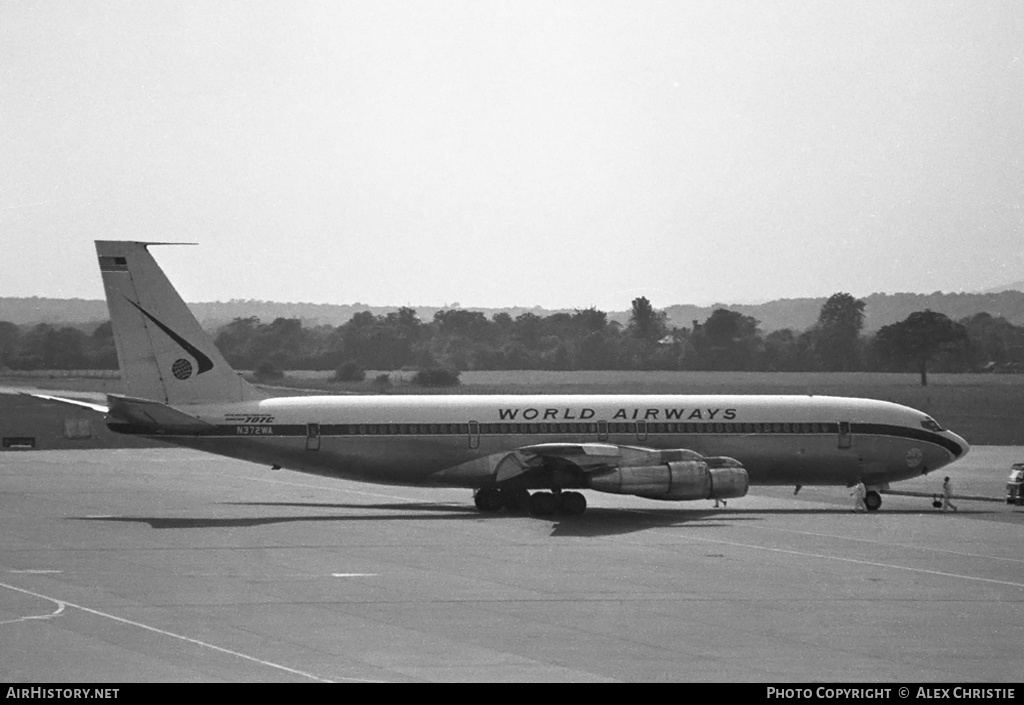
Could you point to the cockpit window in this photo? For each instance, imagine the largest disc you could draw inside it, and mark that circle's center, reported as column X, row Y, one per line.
column 929, row 423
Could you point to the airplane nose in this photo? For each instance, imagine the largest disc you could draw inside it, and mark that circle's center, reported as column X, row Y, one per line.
column 965, row 447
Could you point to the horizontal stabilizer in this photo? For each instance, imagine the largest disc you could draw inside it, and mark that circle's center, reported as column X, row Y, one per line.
column 153, row 414
column 72, row 402
column 141, row 412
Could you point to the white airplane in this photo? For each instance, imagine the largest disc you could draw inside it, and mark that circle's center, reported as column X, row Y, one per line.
column 666, row 447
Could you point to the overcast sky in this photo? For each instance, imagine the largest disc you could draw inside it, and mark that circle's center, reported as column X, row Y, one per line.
column 566, row 154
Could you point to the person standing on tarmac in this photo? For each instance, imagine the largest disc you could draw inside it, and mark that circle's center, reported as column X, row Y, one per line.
column 859, row 493
column 947, row 494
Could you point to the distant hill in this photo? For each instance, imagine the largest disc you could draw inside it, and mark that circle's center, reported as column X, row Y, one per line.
column 1012, row 286
column 797, row 314
column 879, row 309
column 213, row 314
column 883, row 309
column 33, row 310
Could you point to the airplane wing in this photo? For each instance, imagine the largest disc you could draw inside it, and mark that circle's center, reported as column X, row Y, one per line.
column 588, row 457
column 584, row 455
column 581, row 454
column 675, row 474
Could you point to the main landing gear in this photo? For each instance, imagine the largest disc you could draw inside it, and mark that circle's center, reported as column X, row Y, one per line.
column 492, row 499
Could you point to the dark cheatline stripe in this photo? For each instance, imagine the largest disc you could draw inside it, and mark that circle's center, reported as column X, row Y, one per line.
column 870, row 429
column 286, row 430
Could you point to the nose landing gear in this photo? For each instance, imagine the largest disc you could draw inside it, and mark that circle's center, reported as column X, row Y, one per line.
column 872, row 500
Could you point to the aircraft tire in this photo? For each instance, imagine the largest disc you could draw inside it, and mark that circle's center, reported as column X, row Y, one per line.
column 572, row 503
column 543, row 504
column 488, row 499
column 872, row 500
column 516, row 500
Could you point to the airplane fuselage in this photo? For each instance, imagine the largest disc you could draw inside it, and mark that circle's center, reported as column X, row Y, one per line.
column 444, row 440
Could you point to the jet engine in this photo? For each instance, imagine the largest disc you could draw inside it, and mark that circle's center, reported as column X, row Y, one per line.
column 691, row 476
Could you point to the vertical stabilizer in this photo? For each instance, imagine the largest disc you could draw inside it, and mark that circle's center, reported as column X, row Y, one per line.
column 164, row 353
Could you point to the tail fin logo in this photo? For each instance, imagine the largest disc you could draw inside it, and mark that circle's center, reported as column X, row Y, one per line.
column 181, row 369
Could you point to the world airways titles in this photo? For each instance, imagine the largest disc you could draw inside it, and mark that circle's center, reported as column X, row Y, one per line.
column 678, row 413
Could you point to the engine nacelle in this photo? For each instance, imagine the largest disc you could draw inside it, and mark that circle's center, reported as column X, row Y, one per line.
column 707, row 478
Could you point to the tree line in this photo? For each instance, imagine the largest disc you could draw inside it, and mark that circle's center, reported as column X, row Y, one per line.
column 460, row 339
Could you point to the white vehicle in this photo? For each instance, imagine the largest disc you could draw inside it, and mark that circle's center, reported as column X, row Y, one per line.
column 663, row 447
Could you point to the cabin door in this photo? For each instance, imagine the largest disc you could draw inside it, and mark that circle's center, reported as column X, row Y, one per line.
column 312, row 436
column 845, row 435
column 474, row 434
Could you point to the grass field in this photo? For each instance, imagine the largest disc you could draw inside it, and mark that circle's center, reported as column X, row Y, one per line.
column 984, row 409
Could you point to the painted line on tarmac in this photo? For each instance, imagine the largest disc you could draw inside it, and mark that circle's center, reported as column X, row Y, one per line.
column 197, row 642
column 60, row 609
column 837, row 558
column 851, row 560
column 890, row 544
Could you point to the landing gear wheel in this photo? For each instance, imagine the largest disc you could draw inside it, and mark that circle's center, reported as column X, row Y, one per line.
column 872, row 500
column 572, row 503
column 516, row 500
column 543, row 504
column 488, row 500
